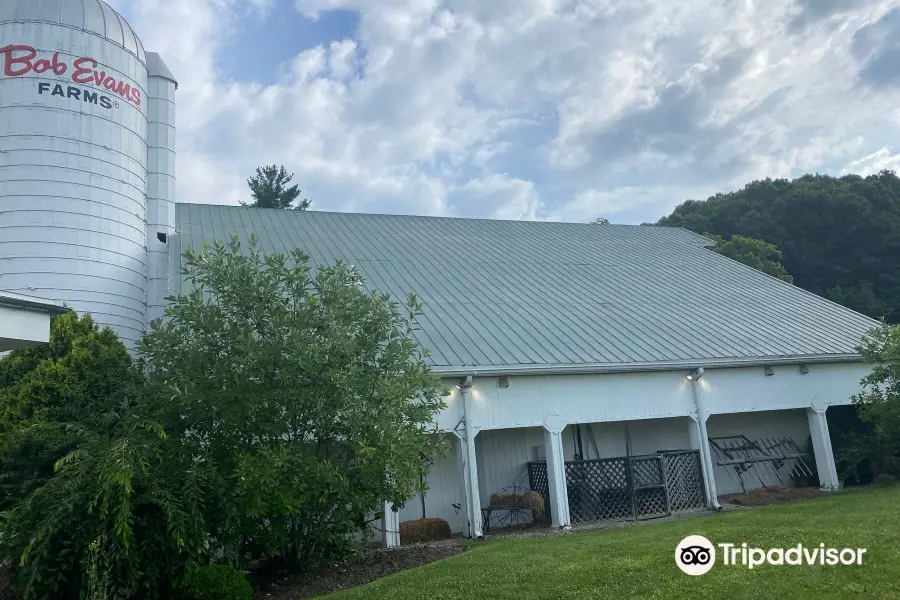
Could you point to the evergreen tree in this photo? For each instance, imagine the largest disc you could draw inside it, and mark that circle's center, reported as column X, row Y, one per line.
column 270, row 188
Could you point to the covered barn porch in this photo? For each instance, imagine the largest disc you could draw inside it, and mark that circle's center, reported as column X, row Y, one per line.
column 628, row 445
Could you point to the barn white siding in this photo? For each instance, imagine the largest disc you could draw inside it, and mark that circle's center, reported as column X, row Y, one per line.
column 445, row 488
column 615, row 397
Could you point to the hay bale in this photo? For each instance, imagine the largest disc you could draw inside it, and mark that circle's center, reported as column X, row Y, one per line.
column 531, row 499
column 424, row 530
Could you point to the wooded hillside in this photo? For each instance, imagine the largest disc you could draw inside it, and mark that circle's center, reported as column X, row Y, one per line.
column 840, row 237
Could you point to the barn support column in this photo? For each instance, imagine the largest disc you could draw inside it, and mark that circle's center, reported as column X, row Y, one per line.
column 468, row 468
column 700, row 438
column 466, row 431
column 700, row 441
column 390, row 527
column 821, row 441
column 556, row 471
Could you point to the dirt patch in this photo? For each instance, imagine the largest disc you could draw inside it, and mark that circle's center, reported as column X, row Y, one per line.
column 6, row 589
column 362, row 569
column 774, row 495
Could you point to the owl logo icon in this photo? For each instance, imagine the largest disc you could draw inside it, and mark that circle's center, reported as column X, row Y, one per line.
column 695, row 555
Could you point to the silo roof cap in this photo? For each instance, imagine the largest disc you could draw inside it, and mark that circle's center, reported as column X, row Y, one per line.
column 157, row 68
column 93, row 16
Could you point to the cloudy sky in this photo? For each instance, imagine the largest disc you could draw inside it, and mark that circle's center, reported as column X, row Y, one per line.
column 525, row 109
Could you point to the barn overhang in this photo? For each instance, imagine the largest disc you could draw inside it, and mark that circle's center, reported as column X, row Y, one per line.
column 25, row 321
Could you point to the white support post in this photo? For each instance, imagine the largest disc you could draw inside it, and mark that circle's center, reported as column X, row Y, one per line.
column 700, row 441
column 474, row 500
column 390, row 527
column 468, row 464
column 556, row 471
column 821, row 441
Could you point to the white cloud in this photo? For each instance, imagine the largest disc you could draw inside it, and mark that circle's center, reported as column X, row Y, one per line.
column 528, row 108
column 873, row 163
column 497, row 196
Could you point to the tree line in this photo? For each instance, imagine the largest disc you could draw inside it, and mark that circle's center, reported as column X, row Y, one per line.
column 837, row 237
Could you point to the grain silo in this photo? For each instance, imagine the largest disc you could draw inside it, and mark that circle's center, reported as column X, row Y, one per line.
column 87, row 161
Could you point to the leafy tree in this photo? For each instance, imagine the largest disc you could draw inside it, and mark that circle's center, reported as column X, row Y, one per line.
column 279, row 407
column 308, row 394
column 77, row 378
column 753, row 253
column 879, row 400
column 123, row 517
column 270, row 188
column 840, row 236
column 600, row 221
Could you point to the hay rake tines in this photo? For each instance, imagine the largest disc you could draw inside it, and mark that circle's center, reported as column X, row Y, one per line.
column 769, row 460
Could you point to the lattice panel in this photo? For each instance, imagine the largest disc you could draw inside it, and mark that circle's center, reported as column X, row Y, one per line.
column 651, row 503
column 598, row 490
column 539, row 482
column 684, row 479
column 601, row 490
column 646, row 472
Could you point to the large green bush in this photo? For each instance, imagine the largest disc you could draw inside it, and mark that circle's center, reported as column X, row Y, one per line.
column 122, row 517
column 307, row 393
column 215, row 582
column 79, row 377
column 276, row 409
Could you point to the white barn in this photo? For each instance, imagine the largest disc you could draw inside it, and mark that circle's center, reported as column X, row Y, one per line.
column 568, row 347
column 578, row 349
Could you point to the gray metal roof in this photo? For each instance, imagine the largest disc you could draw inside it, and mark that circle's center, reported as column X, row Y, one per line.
column 510, row 296
column 94, row 16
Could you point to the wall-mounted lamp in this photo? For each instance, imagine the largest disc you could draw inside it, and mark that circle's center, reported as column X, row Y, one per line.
column 769, row 371
column 804, row 369
column 503, row 382
column 464, row 383
column 695, row 375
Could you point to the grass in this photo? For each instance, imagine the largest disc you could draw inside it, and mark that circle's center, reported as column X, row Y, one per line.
column 639, row 562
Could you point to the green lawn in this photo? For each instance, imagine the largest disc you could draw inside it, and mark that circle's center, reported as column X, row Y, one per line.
column 638, row 562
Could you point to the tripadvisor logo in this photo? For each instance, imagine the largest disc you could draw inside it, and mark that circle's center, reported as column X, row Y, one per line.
column 696, row 555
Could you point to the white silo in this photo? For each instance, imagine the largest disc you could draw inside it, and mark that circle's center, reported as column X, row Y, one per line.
column 160, row 181
column 79, row 106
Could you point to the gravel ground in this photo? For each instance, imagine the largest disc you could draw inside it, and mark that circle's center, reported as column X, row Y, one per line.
column 534, row 532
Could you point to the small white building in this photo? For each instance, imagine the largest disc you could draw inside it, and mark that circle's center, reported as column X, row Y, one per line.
column 25, row 321
column 620, row 371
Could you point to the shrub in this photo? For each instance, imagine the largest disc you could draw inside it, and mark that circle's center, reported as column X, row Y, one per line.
column 879, row 401
column 79, row 377
column 306, row 393
column 121, row 518
column 275, row 410
column 214, row 582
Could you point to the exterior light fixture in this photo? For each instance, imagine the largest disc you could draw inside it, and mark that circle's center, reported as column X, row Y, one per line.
column 769, row 371
column 695, row 375
column 804, row 369
column 503, row 382
column 464, row 383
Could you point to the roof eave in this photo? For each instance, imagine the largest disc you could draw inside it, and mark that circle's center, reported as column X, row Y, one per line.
column 599, row 369
column 35, row 304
